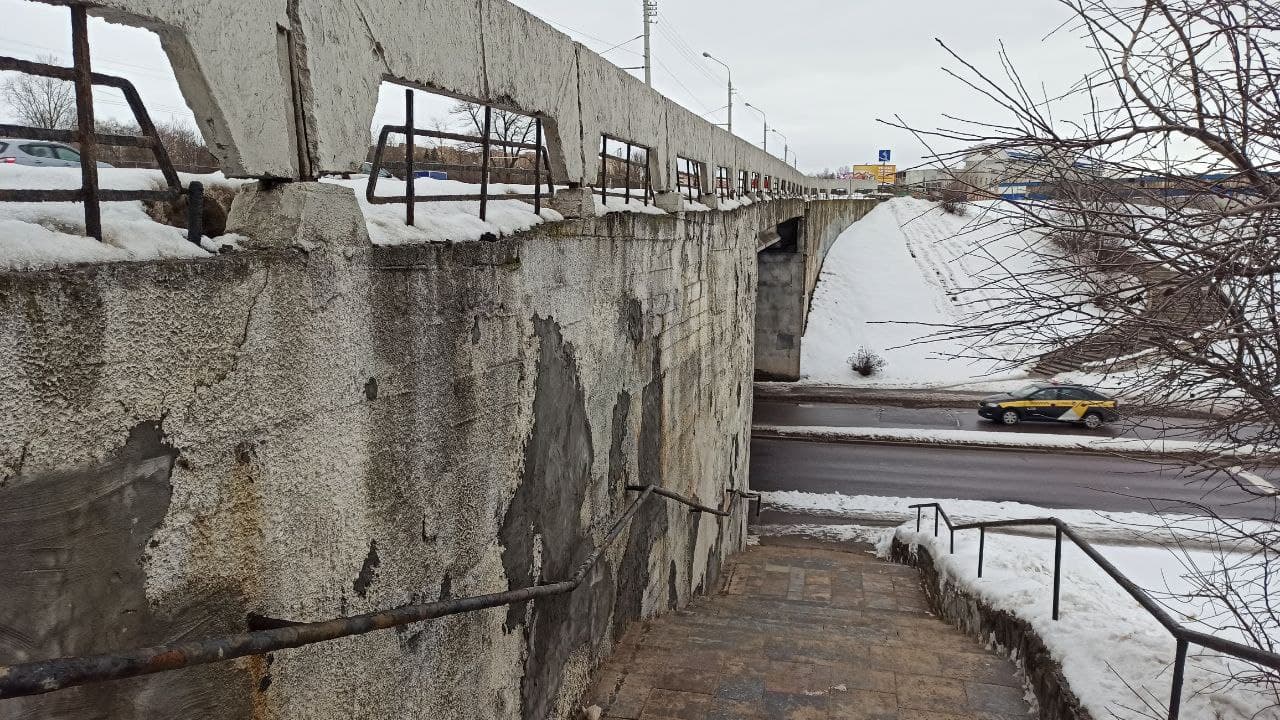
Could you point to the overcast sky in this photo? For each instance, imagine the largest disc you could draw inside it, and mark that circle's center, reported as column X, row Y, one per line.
column 823, row 70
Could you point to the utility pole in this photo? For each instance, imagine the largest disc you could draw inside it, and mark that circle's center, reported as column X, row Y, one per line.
column 730, row 73
column 650, row 19
column 786, row 144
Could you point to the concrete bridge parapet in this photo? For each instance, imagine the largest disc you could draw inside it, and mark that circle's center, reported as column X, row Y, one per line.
column 287, row 88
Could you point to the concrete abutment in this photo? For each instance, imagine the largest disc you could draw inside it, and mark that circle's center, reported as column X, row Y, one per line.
column 317, row 427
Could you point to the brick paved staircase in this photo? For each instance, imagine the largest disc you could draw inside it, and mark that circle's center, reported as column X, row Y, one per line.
column 807, row 630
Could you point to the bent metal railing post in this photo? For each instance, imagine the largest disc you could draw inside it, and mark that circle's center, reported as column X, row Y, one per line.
column 44, row 676
column 1183, row 635
column 82, row 77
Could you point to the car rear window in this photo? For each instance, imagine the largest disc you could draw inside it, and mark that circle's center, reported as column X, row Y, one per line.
column 3, row 146
column 1071, row 393
column 37, row 150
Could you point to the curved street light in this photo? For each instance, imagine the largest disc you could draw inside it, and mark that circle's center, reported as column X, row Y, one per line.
column 708, row 56
column 786, row 144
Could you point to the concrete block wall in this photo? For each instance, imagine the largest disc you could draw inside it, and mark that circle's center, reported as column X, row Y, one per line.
column 192, row 448
column 287, row 88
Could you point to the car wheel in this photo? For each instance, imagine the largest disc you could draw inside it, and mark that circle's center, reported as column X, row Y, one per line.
column 1010, row 417
column 1093, row 421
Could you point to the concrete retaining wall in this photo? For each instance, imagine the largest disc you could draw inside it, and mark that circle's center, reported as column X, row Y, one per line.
column 287, row 88
column 190, row 448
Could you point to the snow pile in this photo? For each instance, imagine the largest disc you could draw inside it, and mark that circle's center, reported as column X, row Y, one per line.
column 445, row 221
column 43, row 235
column 906, row 270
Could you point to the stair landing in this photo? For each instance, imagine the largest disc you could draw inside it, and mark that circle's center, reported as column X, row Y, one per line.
column 807, row 630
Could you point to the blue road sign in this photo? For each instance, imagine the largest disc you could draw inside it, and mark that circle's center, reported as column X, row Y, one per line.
column 884, row 156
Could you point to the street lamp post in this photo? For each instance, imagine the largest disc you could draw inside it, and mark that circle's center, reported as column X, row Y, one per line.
column 786, row 144
column 766, row 124
column 730, row 73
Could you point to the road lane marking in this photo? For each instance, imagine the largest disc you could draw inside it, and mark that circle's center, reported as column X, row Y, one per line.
column 1257, row 481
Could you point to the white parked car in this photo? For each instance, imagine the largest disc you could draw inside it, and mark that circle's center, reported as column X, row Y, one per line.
column 39, row 153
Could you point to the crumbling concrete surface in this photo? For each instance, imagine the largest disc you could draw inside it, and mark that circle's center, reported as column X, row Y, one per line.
column 317, row 427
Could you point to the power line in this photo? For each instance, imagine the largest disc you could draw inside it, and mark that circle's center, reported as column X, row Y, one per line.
column 688, row 54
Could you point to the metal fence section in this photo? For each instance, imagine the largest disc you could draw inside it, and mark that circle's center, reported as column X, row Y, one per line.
column 541, row 164
column 1182, row 635
column 44, row 676
column 689, row 178
column 724, row 184
column 81, row 75
column 628, row 162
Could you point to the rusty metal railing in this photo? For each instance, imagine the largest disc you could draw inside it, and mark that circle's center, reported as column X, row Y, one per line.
column 81, row 75
column 631, row 167
column 689, row 178
column 724, row 184
column 486, row 142
column 45, row 676
column 1182, row 635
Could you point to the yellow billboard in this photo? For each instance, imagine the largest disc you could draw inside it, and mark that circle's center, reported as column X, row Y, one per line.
column 882, row 173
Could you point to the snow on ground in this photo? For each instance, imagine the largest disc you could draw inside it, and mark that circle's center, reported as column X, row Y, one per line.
column 1097, row 526
column 988, row 438
column 906, row 270
column 44, row 235
column 1115, row 656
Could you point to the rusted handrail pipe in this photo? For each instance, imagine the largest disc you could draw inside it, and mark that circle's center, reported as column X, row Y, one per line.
column 45, row 676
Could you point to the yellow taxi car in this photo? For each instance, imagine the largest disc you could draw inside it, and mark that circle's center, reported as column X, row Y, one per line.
column 1053, row 402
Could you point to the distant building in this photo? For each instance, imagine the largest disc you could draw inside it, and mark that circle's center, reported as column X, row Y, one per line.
column 925, row 180
column 1014, row 174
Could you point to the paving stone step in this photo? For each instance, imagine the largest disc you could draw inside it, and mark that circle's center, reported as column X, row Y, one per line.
column 802, row 629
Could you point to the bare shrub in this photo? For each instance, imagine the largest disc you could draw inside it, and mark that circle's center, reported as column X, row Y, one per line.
column 865, row 362
column 953, row 198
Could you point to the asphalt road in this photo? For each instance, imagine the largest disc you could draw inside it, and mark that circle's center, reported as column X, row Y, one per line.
column 770, row 412
column 1048, row 479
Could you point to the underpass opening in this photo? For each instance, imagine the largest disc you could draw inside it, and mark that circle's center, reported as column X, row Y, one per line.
column 780, row 301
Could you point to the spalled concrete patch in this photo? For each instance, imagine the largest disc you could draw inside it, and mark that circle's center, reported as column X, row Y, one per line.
column 546, row 511
column 72, row 583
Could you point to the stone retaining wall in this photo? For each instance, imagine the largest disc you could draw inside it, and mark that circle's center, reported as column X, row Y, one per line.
column 1011, row 634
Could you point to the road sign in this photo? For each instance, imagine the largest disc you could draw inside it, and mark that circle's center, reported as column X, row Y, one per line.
column 884, row 156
